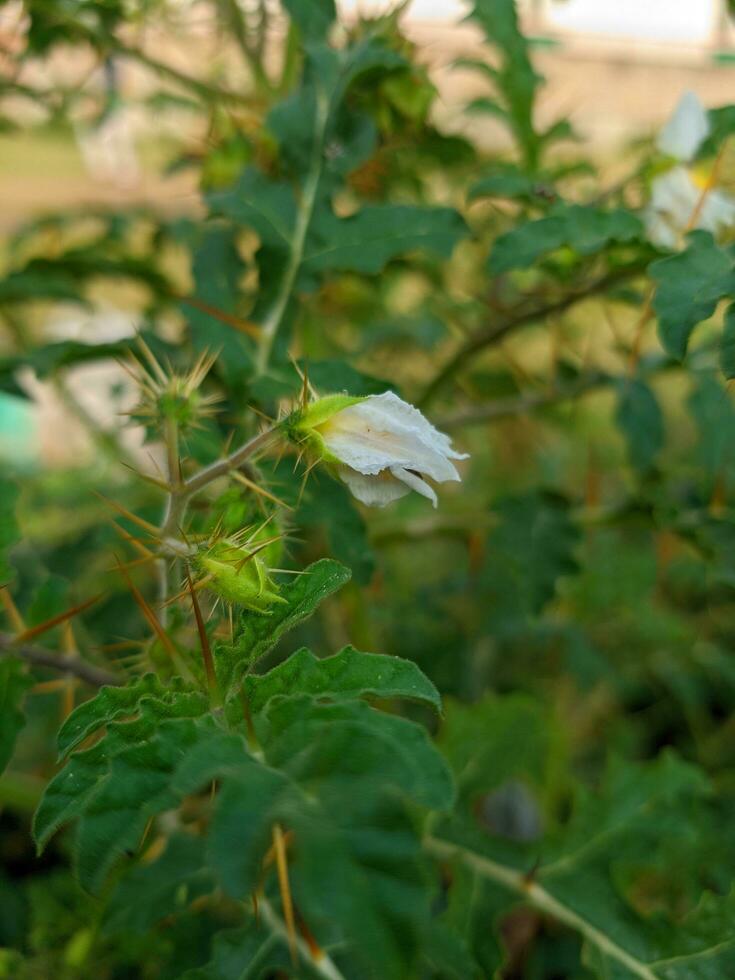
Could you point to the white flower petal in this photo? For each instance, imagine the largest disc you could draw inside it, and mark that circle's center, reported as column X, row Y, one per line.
column 686, row 130
column 374, row 491
column 718, row 212
column 675, row 198
column 384, row 431
column 415, row 483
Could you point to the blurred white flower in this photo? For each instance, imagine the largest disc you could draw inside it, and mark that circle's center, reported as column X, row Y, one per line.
column 676, row 193
column 381, row 446
column 686, row 130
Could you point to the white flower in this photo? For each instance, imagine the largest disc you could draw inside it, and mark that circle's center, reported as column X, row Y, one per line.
column 381, row 446
column 686, row 130
column 675, row 196
column 676, row 193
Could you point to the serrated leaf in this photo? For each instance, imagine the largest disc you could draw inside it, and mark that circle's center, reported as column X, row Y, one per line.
column 639, row 416
column 349, row 744
column 258, row 634
column 69, row 792
column 688, row 288
column 347, row 674
column 135, row 787
column 14, row 682
column 9, row 533
column 373, row 236
column 151, row 891
column 586, row 230
column 146, row 692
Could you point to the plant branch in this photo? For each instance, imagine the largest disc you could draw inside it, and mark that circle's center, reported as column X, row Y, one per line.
column 182, row 492
column 322, row 964
column 39, row 657
column 536, row 895
column 274, row 318
column 492, row 334
column 502, row 408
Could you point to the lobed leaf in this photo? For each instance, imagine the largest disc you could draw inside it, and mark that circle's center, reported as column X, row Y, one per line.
column 257, row 634
column 347, row 674
column 586, row 230
column 688, row 288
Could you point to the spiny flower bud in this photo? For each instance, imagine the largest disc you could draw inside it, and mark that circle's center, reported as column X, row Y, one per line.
column 237, row 574
column 381, row 446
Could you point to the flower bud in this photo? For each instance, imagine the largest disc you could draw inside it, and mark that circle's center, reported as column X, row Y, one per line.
column 239, row 575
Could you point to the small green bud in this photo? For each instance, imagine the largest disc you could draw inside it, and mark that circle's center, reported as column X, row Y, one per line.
column 239, row 575
column 303, row 425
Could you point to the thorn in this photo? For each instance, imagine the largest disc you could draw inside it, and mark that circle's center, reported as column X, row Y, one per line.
column 152, row 362
column 203, row 639
column 146, row 525
column 149, row 614
column 16, row 620
column 127, row 536
column 260, row 490
column 279, row 847
column 244, row 326
column 147, row 478
column 35, row 631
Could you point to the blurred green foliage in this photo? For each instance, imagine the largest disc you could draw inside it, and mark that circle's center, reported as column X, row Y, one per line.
column 531, row 773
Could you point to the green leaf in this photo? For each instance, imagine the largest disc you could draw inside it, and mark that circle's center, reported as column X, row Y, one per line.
column 9, row 533
column 688, row 288
column 257, row 634
column 14, row 682
column 135, row 787
column 586, row 230
column 727, row 344
column 347, row 674
column 153, row 891
column 146, row 695
column 495, row 740
column 591, row 873
column 313, row 17
column 512, row 183
column 68, row 794
column 251, row 953
column 349, row 744
column 641, row 421
column 369, row 239
column 530, row 549
column 514, row 79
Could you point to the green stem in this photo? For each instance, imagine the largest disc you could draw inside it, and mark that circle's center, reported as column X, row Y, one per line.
column 181, row 494
column 273, row 319
column 322, row 964
column 534, row 894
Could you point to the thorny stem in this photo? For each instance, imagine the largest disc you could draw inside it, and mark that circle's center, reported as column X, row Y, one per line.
column 180, row 494
column 274, row 317
column 492, row 334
